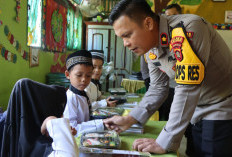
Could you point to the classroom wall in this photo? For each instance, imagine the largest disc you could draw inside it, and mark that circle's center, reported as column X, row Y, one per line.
column 10, row 72
column 212, row 11
column 227, row 37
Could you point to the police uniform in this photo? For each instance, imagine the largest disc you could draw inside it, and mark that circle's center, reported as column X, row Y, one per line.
column 144, row 67
column 193, row 54
column 144, row 71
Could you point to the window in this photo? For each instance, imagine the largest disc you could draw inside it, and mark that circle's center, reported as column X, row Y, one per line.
column 34, row 23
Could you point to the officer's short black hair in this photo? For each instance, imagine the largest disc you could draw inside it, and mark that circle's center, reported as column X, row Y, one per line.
column 177, row 6
column 136, row 10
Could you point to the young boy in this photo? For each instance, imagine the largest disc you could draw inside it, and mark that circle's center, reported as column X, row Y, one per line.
column 79, row 72
column 94, row 88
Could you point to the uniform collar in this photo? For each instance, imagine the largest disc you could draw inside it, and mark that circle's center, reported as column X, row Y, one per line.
column 164, row 31
column 76, row 91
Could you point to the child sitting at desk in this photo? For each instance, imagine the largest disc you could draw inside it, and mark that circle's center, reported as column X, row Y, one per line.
column 94, row 88
column 79, row 72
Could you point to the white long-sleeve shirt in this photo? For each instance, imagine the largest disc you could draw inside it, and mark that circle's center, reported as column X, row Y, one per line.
column 77, row 111
column 94, row 96
column 64, row 144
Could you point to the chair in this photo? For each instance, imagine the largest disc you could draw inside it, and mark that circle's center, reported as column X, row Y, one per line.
column 29, row 104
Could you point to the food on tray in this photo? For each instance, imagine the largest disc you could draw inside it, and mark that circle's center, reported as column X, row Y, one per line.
column 107, row 139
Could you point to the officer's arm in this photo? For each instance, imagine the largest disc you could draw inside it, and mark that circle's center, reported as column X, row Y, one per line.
column 154, row 97
column 186, row 96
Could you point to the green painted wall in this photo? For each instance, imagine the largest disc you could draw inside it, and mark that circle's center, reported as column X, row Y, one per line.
column 10, row 72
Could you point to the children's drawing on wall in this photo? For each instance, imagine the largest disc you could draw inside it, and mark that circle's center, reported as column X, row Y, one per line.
column 228, row 16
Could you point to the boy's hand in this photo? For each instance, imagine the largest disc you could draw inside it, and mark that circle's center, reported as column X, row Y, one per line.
column 44, row 127
column 74, row 131
column 111, row 103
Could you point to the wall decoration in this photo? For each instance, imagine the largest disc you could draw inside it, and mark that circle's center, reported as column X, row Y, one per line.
column 18, row 7
column 222, row 26
column 34, row 56
column 15, row 43
column 188, row 6
column 189, row 2
column 54, row 26
column 228, row 16
column 34, row 15
column 7, row 55
column 56, row 57
column 59, row 63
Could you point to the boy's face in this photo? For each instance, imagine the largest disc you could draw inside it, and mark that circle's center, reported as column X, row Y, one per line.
column 97, row 68
column 80, row 76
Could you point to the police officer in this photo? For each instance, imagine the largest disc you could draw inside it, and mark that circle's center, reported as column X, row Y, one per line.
column 173, row 9
column 193, row 54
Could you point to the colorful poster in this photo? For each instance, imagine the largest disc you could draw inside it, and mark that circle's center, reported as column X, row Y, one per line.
column 55, row 22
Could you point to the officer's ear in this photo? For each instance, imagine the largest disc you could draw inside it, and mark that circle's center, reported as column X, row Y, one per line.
column 149, row 23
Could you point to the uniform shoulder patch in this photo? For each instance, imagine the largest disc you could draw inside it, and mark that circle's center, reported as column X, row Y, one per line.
column 164, row 38
column 189, row 69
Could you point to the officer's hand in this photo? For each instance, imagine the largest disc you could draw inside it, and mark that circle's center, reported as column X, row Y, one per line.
column 148, row 145
column 119, row 123
column 111, row 103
